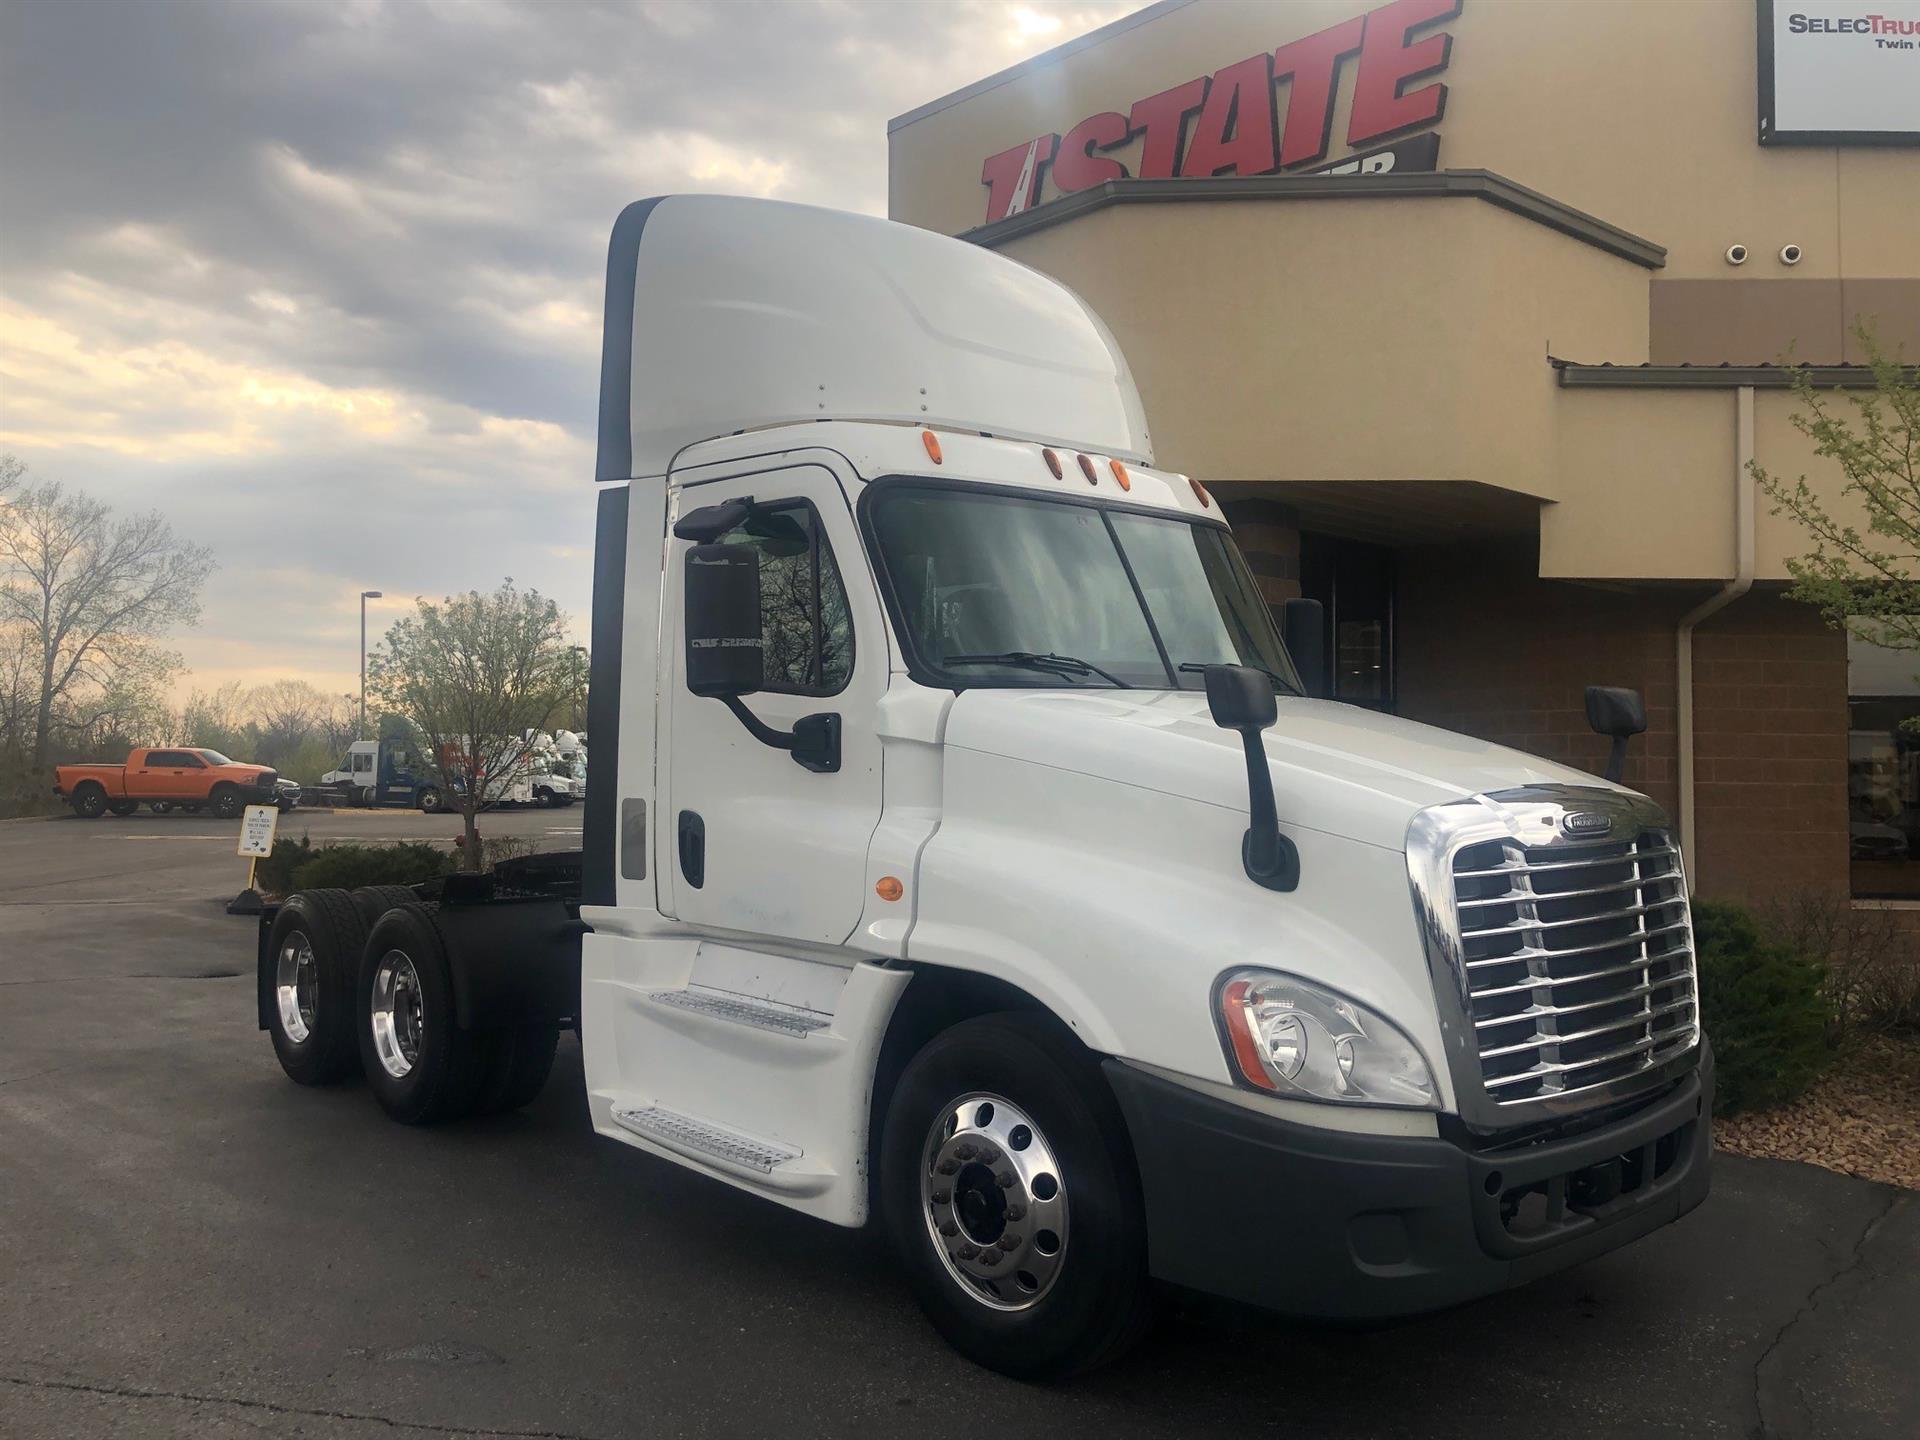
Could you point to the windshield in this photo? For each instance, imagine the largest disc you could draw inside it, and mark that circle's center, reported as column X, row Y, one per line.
column 213, row 757
column 1020, row 587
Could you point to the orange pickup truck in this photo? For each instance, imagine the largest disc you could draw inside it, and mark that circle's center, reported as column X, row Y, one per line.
column 184, row 779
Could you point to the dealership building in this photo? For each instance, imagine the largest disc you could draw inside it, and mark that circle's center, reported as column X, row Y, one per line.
column 1472, row 314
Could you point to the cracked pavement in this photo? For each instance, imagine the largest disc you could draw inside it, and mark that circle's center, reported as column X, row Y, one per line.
column 192, row 1246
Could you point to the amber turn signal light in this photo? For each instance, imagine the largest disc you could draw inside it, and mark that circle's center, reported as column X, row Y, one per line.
column 932, row 442
column 889, row 888
column 1053, row 463
column 1120, row 474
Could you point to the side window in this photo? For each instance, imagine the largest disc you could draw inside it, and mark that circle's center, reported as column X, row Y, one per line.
column 362, row 762
column 806, row 630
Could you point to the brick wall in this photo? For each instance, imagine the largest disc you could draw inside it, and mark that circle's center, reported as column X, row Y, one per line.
column 1488, row 648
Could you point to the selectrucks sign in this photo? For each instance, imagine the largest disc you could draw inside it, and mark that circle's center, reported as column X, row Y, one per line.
column 1227, row 123
column 1839, row 72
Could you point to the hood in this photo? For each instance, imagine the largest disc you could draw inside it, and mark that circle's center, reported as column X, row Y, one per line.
column 1339, row 769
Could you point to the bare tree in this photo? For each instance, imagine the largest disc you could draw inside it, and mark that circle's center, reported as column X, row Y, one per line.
column 93, row 593
column 286, row 713
column 477, row 676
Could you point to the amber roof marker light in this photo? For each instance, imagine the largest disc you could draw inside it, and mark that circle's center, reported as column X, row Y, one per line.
column 1120, row 474
column 1086, row 469
column 932, row 442
column 1200, row 493
column 1053, row 463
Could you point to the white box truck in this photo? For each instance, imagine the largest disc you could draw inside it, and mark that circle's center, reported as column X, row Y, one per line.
column 962, row 849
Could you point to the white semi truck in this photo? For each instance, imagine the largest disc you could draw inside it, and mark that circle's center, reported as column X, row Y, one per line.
column 963, row 850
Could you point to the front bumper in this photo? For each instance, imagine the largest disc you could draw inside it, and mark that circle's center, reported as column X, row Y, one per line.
column 1334, row 1225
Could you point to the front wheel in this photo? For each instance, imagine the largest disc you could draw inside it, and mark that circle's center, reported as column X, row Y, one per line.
column 429, row 800
column 1008, row 1186
column 226, row 802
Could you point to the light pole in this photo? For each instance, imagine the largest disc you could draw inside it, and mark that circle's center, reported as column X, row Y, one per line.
column 365, row 595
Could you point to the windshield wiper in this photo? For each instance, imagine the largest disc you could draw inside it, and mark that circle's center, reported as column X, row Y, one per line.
column 1198, row 667
column 1049, row 663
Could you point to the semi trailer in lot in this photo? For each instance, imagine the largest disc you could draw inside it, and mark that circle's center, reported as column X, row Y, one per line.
column 963, row 848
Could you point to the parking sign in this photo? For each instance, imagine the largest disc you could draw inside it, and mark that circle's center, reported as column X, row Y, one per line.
column 256, row 830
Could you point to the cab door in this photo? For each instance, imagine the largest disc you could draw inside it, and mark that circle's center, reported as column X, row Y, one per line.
column 750, row 841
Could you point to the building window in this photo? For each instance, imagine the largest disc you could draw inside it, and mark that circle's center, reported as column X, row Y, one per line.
column 1883, row 771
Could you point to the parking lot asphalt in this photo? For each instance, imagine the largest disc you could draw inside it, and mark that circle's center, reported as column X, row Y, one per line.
column 190, row 1245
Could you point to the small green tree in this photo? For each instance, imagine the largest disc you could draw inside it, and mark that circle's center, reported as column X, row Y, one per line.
column 1864, row 582
column 476, row 676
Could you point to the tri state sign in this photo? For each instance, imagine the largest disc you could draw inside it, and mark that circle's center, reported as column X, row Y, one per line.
column 1227, row 123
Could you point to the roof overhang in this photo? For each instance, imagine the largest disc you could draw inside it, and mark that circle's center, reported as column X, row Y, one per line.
column 1575, row 376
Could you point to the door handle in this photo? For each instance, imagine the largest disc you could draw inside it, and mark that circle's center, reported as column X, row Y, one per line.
column 693, row 848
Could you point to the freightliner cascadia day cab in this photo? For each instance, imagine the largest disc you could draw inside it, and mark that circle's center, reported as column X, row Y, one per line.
column 963, row 852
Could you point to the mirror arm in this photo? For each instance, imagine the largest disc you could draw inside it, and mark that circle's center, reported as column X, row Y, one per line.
column 814, row 743
column 1270, row 858
column 1617, row 759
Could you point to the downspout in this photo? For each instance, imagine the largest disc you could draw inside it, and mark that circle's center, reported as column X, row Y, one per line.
column 1743, row 545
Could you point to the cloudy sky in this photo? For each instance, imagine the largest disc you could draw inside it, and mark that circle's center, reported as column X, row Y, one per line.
column 322, row 282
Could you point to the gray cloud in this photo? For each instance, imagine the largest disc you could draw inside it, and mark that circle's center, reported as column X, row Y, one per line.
column 323, row 282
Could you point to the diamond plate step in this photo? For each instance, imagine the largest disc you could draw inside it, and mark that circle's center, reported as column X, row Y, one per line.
column 683, row 1132
column 761, row 1014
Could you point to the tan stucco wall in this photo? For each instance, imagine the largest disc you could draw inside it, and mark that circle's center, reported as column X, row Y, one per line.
column 1647, row 480
column 1309, row 340
column 1641, row 112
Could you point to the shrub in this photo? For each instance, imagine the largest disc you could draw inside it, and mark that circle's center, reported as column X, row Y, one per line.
column 1872, row 960
column 349, row 866
column 1764, row 1006
column 274, row 874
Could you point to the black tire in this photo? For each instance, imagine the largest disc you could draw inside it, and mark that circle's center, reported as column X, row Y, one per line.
column 443, row 1077
column 226, row 802
column 193, row 809
column 521, row 1062
column 89, row 800
column 429, row 800
column 335, row 934
column 373, row 901
column 123, row 807
column 161, row 807
column 1099, row 1304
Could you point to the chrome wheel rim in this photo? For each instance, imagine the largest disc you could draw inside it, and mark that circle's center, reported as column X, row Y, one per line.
column 296, row 984
column 995, row 1201
column 397, row 1019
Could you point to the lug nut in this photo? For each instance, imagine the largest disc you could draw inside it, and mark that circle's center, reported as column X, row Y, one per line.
column 1004, row 1179
column 1015, row 1211
column 964, row 1150
column 947, row 1167
column 942, row 1197
column 1009, row 1242
column 991, row 1257
column 968, row 1251
column 988, row 1154
column 949, row 1229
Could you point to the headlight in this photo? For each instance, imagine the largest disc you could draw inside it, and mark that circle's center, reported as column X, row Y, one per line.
column 1298, row 1039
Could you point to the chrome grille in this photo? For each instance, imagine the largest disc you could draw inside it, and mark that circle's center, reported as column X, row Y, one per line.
column 1578, row 960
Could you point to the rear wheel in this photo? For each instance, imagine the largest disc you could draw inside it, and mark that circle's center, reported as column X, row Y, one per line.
column 123, row 807
column 420, row 1065
column 314, row 950
column 226, row 802
column 1008, row 1186
column 89, row 800
column 373, row 901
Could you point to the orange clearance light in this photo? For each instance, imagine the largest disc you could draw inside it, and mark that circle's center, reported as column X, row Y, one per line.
column 1053, row 463
column 1086, row 469
column 932, row 442
column 1200, row 491
column 889, row 888
column 1120, row 474
column 1236, row 1009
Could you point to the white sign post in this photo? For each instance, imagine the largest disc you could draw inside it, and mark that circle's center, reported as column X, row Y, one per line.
column 256, row 835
